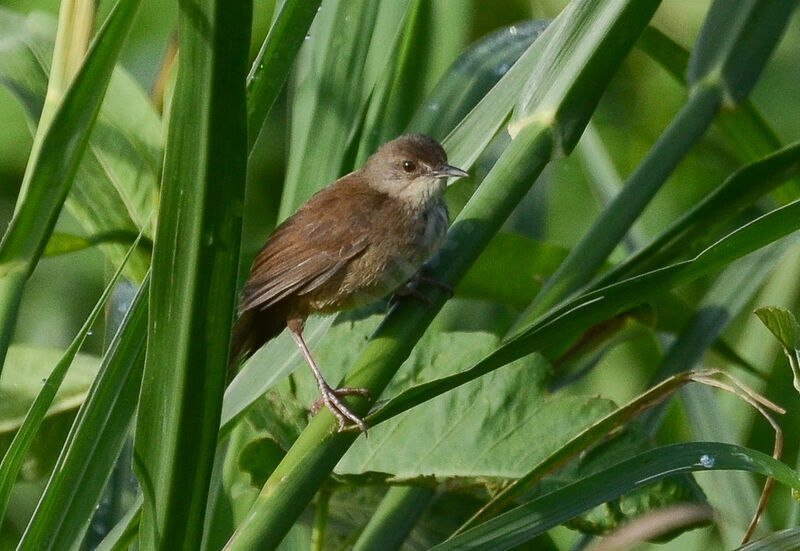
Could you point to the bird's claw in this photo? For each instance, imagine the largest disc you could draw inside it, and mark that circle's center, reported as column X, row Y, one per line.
column 330, row 398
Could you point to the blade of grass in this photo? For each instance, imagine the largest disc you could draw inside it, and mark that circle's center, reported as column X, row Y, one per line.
column 53, row 162
column 275, row 57
column 115, row 185
column 582, row 59
column 394, row 518
column 743, row 126
column 551, row 334
column 730, row 293
column 16, row 452
column 731, row 52
column 95, row 440
column 329, row 99
column 194, row 274
column 706, row 218
column 537, row 516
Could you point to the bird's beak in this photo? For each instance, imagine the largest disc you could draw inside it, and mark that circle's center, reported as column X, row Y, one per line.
column 447, row 171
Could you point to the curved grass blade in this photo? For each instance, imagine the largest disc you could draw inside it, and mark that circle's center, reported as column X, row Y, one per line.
column 527, row 521
column 94, row 443
column 51, row 169
column 194, row 273
column 606, row 32
column 553, row 333
column 14, row 456
column 685, row 235
column 472, row 76
column 782, row 540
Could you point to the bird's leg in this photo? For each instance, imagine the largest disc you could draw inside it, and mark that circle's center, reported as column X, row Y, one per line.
column 329, row 396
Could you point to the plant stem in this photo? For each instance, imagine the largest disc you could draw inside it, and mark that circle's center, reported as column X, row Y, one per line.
column 394, row 518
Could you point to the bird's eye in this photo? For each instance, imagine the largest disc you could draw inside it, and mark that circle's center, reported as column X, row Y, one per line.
column 409, row 166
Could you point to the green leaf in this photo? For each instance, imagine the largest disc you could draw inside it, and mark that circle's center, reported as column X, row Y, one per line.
column 57, row 152
column 784, row 326
column 21, row 386
column 743, row 126
column 195, row 258
column 115, row 186
column 721, row 67
column 691, row 232
column 534, row 517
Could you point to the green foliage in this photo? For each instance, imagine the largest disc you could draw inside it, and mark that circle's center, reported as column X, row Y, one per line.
column 581, row 281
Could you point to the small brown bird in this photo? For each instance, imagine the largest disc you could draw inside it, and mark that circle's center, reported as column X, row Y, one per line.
column 351, row 243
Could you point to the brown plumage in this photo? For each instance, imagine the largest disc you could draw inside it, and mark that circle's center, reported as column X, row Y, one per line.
column 351, row 243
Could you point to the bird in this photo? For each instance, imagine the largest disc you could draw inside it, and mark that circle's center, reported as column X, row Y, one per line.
column 358, row 239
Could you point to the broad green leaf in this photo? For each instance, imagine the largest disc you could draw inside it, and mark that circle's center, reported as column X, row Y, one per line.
column 95, row 441
column 21, row 385
column 54, row 160
column 784, row 326
column 532, row 518
column 195, row 260
column 116, row 184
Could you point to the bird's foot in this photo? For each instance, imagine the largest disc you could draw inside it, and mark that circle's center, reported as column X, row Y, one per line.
column 330, row 399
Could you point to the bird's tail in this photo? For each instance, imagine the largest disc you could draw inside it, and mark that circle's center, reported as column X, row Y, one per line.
column 251, row 331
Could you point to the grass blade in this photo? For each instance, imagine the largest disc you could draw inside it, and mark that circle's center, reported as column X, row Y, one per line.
column 533, row 518
column 554, row 332
column 719, row 71
column 51, row 169
column 271, row 66
column 14, row 456
column 194, row 274
column 95, row 440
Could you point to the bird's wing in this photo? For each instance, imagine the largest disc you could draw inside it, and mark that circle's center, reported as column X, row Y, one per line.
column 312, row 245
